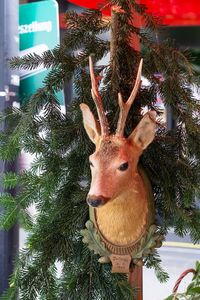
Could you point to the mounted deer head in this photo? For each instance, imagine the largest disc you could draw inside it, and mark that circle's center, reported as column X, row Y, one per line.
column 117, row 188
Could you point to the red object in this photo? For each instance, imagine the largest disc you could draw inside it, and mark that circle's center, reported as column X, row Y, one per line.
column 173, row 12
column 181, row 278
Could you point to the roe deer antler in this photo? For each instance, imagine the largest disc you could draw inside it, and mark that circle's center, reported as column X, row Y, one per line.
column 98, row 101
column 125, row 106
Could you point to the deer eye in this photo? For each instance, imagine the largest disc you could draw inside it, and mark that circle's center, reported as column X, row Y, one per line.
column 123, row 167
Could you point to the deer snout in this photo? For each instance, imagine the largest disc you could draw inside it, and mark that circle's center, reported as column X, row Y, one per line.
column 96, row 201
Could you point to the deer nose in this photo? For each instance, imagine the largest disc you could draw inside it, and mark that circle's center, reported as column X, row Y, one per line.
column 95, row 201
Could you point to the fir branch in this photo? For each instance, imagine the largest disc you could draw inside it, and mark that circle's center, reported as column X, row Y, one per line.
column 154, row 261
column 10, row 180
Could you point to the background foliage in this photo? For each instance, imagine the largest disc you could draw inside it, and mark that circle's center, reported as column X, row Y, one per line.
column 58, row 180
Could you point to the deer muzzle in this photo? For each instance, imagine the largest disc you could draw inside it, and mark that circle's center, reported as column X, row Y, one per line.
column 96, row 201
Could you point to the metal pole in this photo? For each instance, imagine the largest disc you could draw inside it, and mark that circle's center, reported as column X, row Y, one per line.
column 9, row 82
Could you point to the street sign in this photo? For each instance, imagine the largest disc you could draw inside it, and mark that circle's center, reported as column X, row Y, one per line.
column 38, row 32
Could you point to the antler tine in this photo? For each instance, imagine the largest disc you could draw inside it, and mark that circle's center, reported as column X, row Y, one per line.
column 125, row 106
column 97, row 100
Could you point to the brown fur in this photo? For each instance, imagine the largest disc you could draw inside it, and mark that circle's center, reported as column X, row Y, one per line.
column 125, row 210
column 123, row 219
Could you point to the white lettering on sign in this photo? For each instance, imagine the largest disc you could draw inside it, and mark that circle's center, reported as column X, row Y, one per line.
column 35, row 27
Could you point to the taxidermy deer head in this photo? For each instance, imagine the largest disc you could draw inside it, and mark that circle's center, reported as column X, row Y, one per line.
column 118, row 192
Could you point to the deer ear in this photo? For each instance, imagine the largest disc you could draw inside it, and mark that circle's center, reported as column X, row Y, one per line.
column 144, row 133
column 90, row 124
